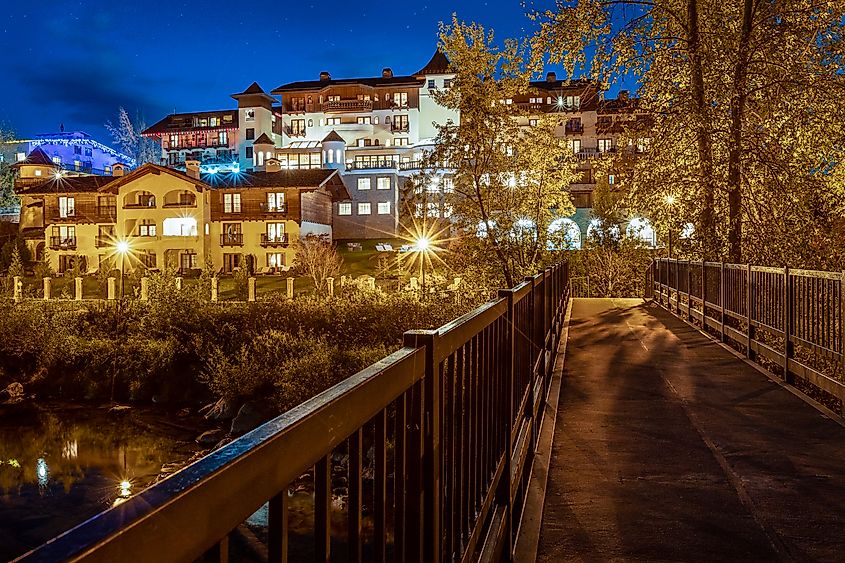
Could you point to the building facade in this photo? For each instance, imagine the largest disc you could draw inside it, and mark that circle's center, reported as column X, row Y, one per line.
column 175, row 219
column 73, row 152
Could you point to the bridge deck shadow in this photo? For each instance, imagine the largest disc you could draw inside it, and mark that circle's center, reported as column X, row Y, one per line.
column 669, row 448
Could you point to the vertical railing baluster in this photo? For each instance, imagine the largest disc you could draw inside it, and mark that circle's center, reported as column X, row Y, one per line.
column 722, row 298
column 415, row 458
column 400, row 453
column 323, row 508
column 355, row 496
column 506, row 416
column 749, row 312
column 277, row 528
column 787, row 326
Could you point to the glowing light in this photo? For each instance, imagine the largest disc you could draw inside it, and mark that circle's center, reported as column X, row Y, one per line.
column 688, row 230
column 125, row 487
column 560, row 101
column 423, row 244
column 42, row 472
column 122, row 247
column 670, row 200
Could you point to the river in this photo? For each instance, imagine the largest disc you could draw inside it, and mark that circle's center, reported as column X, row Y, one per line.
column 61, row 464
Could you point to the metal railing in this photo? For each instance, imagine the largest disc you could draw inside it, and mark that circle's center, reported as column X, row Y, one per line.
column 232, row 239
column 793, row 319
column 274, row 240
column 347, row 105
column 63, row 243
column 451, row 418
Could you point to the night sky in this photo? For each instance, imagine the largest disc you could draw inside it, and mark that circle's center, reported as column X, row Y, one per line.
column 75, row 63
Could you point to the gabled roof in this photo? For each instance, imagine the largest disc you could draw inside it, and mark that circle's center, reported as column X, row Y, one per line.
column 68, row 185
column 37, row 157
column 305, row 178
column 439, row 64
column 176, row 122
column 371, row 82
column 254, row 90
column 333, row 137
column 263, row 139
column 154, row 169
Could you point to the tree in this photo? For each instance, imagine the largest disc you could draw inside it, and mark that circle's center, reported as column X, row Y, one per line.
column 12, row 247
column 743, row 98
column 127, row 136
column 8, row 198
column 509, row 181
column 317, row 258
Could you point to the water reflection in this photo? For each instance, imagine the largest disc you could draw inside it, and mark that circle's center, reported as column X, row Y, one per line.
column 60, row 466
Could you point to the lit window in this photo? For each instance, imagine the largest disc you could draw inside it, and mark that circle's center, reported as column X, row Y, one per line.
column 363, row 183
column 330, row 156
column 332, row 121
column 605, row 145
column 532, row 122
column 344, row 208
column 384, row 208
column 67, row 206
column 275, row 259
column 383, row 183
column 431, row 85
column 365, row 120
column 20, row 157
column 180, row 227
column 433, row 209
column 448, row 185
column 576, row 145
column 147, row 229
column 364, row 208
column 275, row 201
column 38, row 172
column 231, row 203
column 611, row 179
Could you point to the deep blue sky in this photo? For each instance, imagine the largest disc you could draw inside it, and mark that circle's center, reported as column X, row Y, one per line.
column 76, row 62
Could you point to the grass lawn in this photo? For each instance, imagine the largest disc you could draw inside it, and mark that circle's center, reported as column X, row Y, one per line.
column 366, row 261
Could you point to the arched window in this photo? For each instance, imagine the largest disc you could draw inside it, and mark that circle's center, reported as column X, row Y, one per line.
column 329, row 156
column 641, row 229
column 260, row 158
column 564, row 234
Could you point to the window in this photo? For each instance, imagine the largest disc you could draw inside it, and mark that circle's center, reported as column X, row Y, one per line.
column 333, row 98
column 250, row 115
column 66, row 207
column 433, row 209
column 400, row 142
column 400, row 123
column 332, row 121
column 250, row 134
column 276, row 201
column 77, row 149
column 65, row 234
column 447, row 82
column 344, row 208
column 180, row 227
column 38, row 172
column 611, row 179
column 375, row 119
column 400, row 99
column 431, row 85
column 605, row 145
column 20, row 157
column 448, row 185
column 366, row 120
column 364, row 208
column 227, row 118
column 147, row 228
column 231, row 203
column 57, row 159
column 147, row 258
column 297, row 127
column 88, row 151
column 214, row 121
column 384, row 208
column 275, row 232
column 222, row 138
column 532, row 122
column 576, row 145
column 174, row 141
column 363, row 183
column 232, row 234
column 275, row 259
column 188, row 261
column 230, row 262
column 249, row 153
column 383, row 183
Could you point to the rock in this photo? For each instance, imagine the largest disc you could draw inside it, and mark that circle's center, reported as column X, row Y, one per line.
column 251, row 415
column 13, row 393
column 210, row 437
column 120, row 409
column 220, row 411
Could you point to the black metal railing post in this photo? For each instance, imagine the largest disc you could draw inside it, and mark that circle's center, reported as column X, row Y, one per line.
column 505, row 419
column 722, row 295
column 749, row 311
column 788, row 322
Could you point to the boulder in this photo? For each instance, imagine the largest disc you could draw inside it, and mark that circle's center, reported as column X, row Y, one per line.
column 210, row 437
column 251, row 415
column 220, row 411
column 13, row 393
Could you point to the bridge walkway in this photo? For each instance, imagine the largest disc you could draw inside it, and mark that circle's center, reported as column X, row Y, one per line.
column 669, row 447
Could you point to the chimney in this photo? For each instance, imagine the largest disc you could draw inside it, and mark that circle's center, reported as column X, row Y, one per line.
column 117, row 169
column 192, row 169
column 551, row 77
column 623, row 95
column 272, row 165
column 325, row 76
column 387, row 73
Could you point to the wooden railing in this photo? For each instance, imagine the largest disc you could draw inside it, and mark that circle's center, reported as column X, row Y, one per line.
column 451, row 421
column 793, row 319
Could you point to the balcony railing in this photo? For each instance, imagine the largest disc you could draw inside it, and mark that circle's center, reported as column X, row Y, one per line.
column 294, row 132
column 278, row 208
column 574, row 128
column 274, row 240
column 232, row 239
column 411, row 165
column 63, row 243
column 450, row 421
column 400, row 128
column 185, row 203
column 103, row 241
column 372, row 165
column 149, row 202
column 341, row 106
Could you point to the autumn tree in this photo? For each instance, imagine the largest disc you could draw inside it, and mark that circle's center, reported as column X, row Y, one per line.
column 8, row 198
column 318, row 259
column 509, row 181
column 743, row 98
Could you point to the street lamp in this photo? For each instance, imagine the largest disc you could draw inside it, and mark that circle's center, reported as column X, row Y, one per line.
column 423, row 245
column 122, row 248
column 670, row 203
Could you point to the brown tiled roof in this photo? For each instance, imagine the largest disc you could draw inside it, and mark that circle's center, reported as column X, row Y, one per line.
column 372, row 82
column 619, row 105
column 574, row 85
column 263, row 139
column 333, row 137
column 176, row 122
column 254, row 90
column 439, row 64
column 69, row 185
column 308, row 178
column 37, row 157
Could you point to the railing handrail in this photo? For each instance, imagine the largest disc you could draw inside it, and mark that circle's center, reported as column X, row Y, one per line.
column 426, row 382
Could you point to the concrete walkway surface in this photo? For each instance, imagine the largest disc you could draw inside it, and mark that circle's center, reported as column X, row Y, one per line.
column 669, row 448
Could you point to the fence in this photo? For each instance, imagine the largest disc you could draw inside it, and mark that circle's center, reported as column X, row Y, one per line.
column 451, row 418
column 794, row 319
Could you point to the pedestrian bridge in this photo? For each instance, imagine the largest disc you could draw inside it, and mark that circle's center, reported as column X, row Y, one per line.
column 537, row 427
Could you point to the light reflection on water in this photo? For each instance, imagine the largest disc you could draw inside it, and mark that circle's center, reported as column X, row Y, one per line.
column 60, row 466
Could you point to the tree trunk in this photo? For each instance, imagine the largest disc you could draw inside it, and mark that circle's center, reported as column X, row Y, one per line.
column 707, row 222
column 738, row 104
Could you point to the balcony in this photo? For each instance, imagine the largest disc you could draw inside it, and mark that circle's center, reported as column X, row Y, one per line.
column 104, row 241
column 342, row 106
column 399, row 128
column 63, row 243
column 176, row 204
column 142, row 203
column 411, row 165
column 274, row 240
column 267, row 208
column 232, row 239
column 387, row 164
column 574, row 128
column 294, row 132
